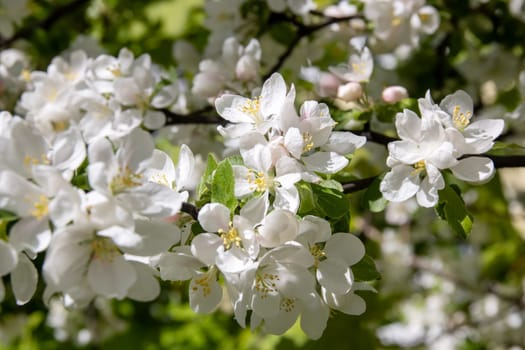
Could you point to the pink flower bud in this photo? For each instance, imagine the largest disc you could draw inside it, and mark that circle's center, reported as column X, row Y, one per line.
column 328, row 84
column 393, row 94
column 350, row 91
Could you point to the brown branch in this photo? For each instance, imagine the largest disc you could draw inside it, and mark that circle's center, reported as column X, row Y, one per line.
column 302, row 32
column 191, row 209
column 200, row 116
column 46, row 23
column 358, row 185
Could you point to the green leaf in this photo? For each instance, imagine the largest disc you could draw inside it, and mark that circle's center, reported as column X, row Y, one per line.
column 373, row 199
column 451, row 208
column 365, row 270
column 333, row 184
column 330, row 202
column 6, row 217
column 206, row 178
column 307, row 204
column 223, row 185
column 507, row 149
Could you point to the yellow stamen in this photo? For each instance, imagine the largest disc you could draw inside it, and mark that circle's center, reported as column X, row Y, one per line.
column 231, row 237
column 252, row 108
column 104, row 249
column 265, row 283
column 259, row 181
column 308, row 142
column 318, row 253
column 124, row 180
column 461, row 120
column 41, row 207
column 418, row 167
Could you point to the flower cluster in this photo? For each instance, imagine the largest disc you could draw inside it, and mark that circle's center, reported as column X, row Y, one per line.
column 443, row 138
column 104, row 97
column 275, row 264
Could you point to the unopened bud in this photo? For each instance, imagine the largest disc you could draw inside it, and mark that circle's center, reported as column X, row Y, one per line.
column 247, row 68
column 350, row 91
column 328, row 84
column 393, row 94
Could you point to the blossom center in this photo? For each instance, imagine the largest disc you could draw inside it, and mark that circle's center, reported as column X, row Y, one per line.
column 418, row 168
column 265, row 283
column 29, row 160
column 359, row 67
column 124, row 180
column 40, row 207
column 104, row 249
column 203, row 283
column 259, row 181
column 231, row 237
column 308, row 142
column 252, row 108
column 318, row 253
column 287, row 304
column 460, row 119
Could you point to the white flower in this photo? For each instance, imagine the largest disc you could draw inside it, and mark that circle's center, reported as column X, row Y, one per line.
column 334, row 254
column 259, row 113
column 230, row 243
column 180, row 265
column 360, row 64
column 122, row 174
column 468, row 138
column 417, row 159
column 260, row 176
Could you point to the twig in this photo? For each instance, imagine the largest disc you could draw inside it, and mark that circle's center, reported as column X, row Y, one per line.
column 191, row 209
column 302, row 32
column 46, row 23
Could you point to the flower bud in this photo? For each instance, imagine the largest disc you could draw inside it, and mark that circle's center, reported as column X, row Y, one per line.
column 328, row 84
column 247, row 68
column 350, row 91
column 393, row 94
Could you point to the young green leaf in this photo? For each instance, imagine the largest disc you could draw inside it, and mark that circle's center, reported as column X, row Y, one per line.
column 451, row 208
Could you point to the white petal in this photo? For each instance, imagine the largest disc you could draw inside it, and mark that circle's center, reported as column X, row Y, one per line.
column 122, row 236
column 406, row 152
column 399, row 184
column 214, row 217
column 178, row 266
column 474, row 169
column 346, row 247
column 408, row 126
column 344, row 142
column 30, row 234
column 273, row 95
column 287, row 198
column 315, row 229
column 185, row 168
column 294, row 142
column 255, row 209
column 428, row 195
column 156, row 235
column 314, row 317
column 111, row 278
column 146, row 287
column 8, row 258
column 204, row 247
column 278, row 227
column 325, row 162
column 24, row 280
column 205, row 293
column 334, row 275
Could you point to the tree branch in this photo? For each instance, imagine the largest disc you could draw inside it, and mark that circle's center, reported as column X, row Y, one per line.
column 302, row 32
column 191, row 209
column 197, row 117
column 46, row 23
